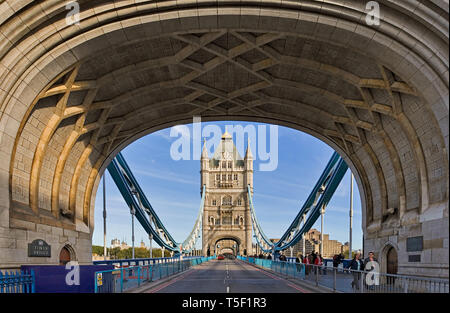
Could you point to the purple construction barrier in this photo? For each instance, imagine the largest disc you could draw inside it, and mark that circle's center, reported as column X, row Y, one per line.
column 52, row 278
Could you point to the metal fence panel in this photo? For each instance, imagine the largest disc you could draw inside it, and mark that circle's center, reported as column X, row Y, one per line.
column 341, row 279
column 129, row 277
column 17, row 281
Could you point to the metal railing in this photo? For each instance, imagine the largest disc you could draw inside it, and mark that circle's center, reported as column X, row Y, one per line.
column 17, row 281
column 144, row 261
column 353, row 281
column 289, row 269
column 128, row 277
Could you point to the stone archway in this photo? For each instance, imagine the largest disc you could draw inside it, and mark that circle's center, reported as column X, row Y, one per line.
column 70, row 100
column 384, row 253
column 236, row 248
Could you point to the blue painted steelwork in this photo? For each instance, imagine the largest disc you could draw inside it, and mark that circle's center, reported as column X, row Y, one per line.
column 135, row 198
column 258, row 232
column 17, row 281
column 191, row 240
column 314, row 214
column 319, row 197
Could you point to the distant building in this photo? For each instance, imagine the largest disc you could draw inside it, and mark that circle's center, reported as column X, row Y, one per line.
column 312, row 243
column 115, row 243
column 124, row 245
column 143, row 244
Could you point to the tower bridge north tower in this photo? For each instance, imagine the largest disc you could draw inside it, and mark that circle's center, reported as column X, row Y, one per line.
column 226, row 215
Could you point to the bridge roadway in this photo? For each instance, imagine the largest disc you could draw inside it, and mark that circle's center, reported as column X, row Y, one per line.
column 227, row 276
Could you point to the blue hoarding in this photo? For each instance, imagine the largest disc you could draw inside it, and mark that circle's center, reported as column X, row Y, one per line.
column 59, row 279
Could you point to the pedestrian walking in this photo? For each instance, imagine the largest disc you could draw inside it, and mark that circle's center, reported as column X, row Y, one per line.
column 318, row 263
column 306, row 263
column 356, row 265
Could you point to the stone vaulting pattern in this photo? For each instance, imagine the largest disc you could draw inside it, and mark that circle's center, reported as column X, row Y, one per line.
column 72, row 96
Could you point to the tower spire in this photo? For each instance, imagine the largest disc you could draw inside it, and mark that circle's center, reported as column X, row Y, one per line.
column 248, row 153
column 204, row 151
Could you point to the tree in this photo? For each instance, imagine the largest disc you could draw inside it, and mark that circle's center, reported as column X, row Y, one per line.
column 97, row 250
column 114, row 253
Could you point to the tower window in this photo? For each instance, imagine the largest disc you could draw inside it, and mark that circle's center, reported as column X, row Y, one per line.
column 224, row 177
column 230, row 164
column 229, row 176
column 226, row 200
column 224, row 164
column 214, row 202
column 239, row 202
column 226, row 219
column 217, row 176
column 235, row 176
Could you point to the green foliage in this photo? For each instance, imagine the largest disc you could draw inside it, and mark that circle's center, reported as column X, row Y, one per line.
column 97, row 250
column 345, row 253
column 139, row 253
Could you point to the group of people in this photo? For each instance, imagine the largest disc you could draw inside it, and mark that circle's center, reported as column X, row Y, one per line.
column 311, row 259
column 357, row 264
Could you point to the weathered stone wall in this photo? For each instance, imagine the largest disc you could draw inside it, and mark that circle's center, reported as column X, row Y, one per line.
column 72, row 96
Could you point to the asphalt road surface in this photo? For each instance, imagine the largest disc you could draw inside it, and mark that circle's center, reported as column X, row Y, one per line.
column 227, row 276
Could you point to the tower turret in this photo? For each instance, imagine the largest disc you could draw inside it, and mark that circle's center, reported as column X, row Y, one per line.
column 204, row 170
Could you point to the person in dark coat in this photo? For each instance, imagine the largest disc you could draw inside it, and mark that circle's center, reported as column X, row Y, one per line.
column 356, row 265
column 337, row 259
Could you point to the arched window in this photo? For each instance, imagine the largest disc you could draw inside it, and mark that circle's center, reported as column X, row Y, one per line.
column 66, row 255
column 214, row 202
column 239, row 202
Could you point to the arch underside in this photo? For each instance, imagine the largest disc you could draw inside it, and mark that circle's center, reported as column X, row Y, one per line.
column 74, row 96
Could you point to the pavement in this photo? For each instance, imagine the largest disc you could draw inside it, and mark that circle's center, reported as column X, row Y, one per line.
column 227, row 276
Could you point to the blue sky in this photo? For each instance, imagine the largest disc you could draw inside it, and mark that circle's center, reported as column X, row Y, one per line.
column 173, row 188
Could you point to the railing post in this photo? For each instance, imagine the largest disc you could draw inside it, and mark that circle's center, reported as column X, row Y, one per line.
column 334, row 278
column 361, row 282
column 139, row 276
column 121, row 279
column 317, row 276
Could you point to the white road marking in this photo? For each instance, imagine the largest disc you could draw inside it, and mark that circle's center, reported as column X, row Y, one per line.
column 228, row 289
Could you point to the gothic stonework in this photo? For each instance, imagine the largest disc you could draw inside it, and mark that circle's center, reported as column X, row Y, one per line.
column 73, row 95
column 226, row 210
